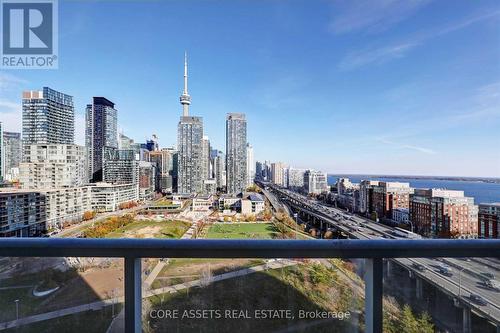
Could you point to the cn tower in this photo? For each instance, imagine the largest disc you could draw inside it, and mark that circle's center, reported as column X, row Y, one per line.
column 185, row 98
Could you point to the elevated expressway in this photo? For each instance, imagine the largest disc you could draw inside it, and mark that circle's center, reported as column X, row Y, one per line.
column 467, row 276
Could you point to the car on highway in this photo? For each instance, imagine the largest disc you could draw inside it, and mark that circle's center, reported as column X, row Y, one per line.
column 492, row 284
column 488, row 275
column 445, row 270
column 478, row 299
column 418, row 267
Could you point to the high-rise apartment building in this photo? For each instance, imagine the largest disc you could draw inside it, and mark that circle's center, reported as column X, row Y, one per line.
column 366, row 196
column 100, row 132
column 48, row 117
column 124, row 142
column 190, row 158
column 295, row 178
column 250, row 165
column 315, row 182
column 147, row 172
column 443, row 213
column 236, row 152
column 277, row 173
column 12, row 151
column 52, row 166
column 489, row 220
column 120, row 166
column 219, row 162
column 164, row 162
column 206, row 158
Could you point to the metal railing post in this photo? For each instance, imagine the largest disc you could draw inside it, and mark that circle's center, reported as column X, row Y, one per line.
column 373, row 295
column 133, row 295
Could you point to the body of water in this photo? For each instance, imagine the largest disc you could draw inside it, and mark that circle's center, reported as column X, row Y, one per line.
column 481, row 192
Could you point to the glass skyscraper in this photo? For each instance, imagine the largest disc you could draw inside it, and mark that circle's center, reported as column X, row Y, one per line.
column 48, row 117
column 101, row 132
column 236, row 152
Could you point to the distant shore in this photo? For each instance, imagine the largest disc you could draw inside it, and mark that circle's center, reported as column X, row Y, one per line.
column 491, row 180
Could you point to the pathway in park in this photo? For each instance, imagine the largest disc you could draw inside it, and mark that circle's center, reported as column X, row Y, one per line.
column 98, row 305
column 117, row 325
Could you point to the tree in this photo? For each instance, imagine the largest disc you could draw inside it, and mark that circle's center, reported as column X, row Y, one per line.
column 88, row 215
column 408, row 323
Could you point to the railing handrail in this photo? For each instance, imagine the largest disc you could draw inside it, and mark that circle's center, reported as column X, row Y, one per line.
column 216, row 248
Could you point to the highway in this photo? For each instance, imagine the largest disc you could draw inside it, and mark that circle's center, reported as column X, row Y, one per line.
column 467, row 275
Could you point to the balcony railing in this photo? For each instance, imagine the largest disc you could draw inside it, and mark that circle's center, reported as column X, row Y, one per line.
column 133, row 250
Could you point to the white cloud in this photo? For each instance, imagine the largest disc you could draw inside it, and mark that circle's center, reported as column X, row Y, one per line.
column 8, row 81
column 407, row 146
column 370, row 15
column 377, row 55
column 381, row 54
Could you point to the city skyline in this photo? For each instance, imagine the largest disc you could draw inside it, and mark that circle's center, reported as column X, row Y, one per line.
column 431, row 116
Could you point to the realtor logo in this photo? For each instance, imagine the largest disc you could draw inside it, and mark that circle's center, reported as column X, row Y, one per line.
column 29, row 34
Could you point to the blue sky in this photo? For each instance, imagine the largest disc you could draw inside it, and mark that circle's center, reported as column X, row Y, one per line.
column 394, row 87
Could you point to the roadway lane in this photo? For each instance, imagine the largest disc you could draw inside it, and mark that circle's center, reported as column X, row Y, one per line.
column 469, row 281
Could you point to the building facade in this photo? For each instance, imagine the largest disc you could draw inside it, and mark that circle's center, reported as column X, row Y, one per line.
column 401, row 215
column 164, row 167
column 389, row 195
column 120, row 166
column 2, row 154
column 315, row 182
column 443, row 213
column 100, row 132
column 12, row 151
column 22, row 213
column 53, row 166
column 220, row 170
column 277, row 173
column 48, row 117
column 250, row 165
column 236, row 153
column 489, row 220
column 108, row 197
column 147, row 172
column 366, row 196
column 66, row 205
column 190, row 155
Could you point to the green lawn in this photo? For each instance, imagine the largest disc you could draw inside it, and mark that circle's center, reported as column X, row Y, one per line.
column 242, row 231
column 151, row 229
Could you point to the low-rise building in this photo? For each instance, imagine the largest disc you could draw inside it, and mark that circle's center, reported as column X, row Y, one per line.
column 489, row 220
column 202, row 203
column 401, row 215
column 107, row 197
column 22, row 213
column 66, row 205
column 252, row 203
column 227, row 202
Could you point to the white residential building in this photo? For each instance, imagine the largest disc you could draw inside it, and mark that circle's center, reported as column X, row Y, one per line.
column 315, row 182
column 53, row 166
column 107, row 197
